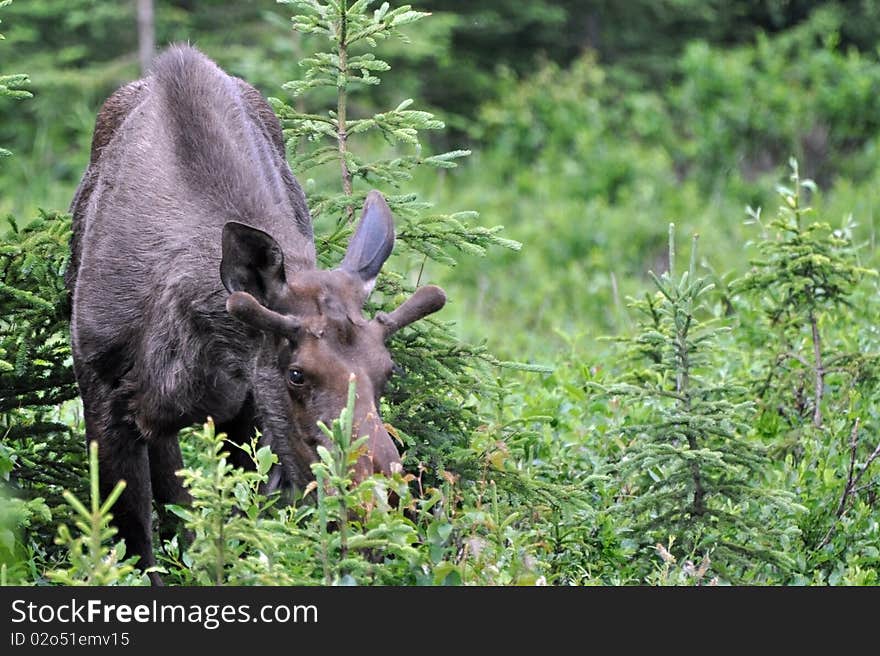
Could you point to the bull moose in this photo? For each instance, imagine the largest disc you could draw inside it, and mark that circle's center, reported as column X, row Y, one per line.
column 195, row 291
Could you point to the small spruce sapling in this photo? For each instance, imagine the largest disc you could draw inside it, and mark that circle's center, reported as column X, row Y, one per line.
column 819, row 379
column 803, row 279
column 690, row 471
column 431, row 407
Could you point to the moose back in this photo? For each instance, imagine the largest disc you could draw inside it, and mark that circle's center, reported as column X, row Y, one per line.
column 195, row 292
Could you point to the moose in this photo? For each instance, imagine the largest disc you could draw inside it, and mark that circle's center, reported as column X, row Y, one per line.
column 195, row 292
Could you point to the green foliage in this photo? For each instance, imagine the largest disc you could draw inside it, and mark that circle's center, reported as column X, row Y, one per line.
column 670, row 573
column 348, row 28
column 817, row 385
column 36, row 456
column 17, row 518
column 641, row 38
column 34, row 356
column 689, row 469
column 587, row 164
column 349, row 535
column 379, row 531
column 338, row 533
column 36, row 373
column 12, row 86
column 815, row 100
column 91, row 561
column 231, row 543
column 805, row 276
column 836, row 478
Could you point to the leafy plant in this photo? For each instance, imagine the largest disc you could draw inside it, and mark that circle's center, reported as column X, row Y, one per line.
column 35, row 376
column 670, row 573
column 338, row 533
column 231, row 542
column 17, row 517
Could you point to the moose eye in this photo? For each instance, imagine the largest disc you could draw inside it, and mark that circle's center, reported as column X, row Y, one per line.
column 296, row 377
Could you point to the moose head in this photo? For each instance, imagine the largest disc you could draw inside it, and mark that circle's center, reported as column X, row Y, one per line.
column 320, row 335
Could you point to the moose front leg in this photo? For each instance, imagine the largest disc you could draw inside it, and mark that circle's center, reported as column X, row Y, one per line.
column 122, row 455
column 165, row 461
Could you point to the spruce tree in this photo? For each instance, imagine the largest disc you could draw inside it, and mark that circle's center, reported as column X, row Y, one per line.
column 35, row 368
column 804, row 278
column 433, row 407
column 690, row 474
column 35, row 372
column 818, row 370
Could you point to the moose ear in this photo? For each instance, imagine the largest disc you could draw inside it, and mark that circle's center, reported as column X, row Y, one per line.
column 372, row 241
column 252, row 262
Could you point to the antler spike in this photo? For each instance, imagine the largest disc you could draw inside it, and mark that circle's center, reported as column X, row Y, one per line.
column 424, row 301
column 249, row 310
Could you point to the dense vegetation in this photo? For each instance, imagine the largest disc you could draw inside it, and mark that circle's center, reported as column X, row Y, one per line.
column 673, row 381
